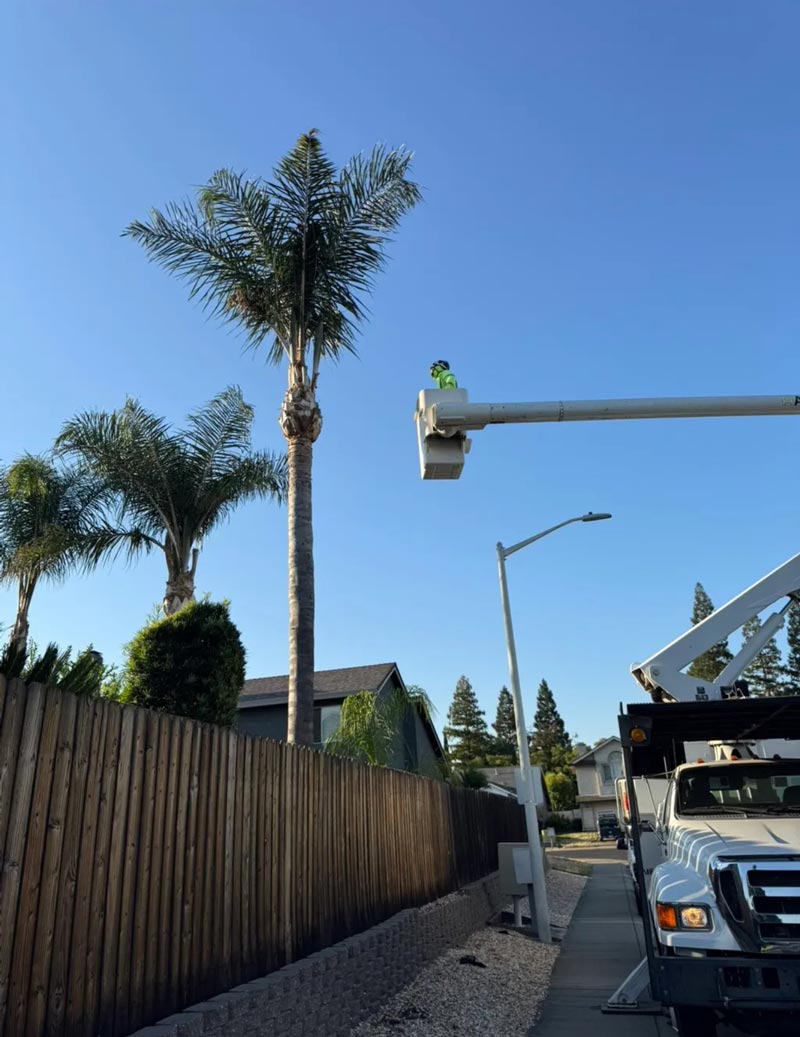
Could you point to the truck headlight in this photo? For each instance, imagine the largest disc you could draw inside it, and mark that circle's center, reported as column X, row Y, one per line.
column 683, row 916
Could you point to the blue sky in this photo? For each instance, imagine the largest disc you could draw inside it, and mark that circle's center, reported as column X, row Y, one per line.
column 611, row 209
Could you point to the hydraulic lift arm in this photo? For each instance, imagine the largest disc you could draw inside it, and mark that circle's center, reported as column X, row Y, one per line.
column 662, row 674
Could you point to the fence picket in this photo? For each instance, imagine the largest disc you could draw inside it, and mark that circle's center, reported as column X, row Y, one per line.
column 16, row 850
column 34, row 1009
column 88, row 714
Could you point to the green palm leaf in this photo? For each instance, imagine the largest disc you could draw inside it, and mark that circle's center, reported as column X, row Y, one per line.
column 171, row 487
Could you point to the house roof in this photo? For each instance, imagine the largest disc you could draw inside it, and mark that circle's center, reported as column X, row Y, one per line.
column 273, row 691
column 587, row 756
column 330, row 684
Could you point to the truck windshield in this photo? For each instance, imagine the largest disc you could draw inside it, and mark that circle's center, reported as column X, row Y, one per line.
column 743, row 787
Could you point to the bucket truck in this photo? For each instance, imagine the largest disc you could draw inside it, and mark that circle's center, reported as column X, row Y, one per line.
column 722, row 906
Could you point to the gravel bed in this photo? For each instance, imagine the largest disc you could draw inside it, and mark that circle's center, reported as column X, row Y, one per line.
column 499, row 997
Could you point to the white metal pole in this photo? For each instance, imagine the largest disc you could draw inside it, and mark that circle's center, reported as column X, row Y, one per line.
column 531, row 820
column 469, row 416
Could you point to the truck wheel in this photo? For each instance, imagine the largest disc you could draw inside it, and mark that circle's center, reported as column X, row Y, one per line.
column 695, row 1022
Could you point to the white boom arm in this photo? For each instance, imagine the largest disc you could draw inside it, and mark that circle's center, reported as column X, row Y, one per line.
column 661, row 675
column 444, row 416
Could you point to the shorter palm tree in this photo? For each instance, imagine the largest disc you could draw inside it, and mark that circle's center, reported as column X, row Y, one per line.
column 49, row 518
column 373, row 726
column 172, row 487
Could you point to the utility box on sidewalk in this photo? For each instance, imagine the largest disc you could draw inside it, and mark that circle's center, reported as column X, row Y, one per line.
column 514, row 865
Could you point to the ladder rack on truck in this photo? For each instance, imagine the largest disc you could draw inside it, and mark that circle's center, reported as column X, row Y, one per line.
column 740, row 868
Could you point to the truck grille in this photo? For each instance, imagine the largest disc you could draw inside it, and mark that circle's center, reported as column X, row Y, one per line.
column 773, row 896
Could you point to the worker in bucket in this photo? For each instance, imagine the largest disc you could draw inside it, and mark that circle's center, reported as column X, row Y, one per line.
column 441, row 374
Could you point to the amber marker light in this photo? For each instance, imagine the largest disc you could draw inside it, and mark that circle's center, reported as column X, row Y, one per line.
column 667, row 916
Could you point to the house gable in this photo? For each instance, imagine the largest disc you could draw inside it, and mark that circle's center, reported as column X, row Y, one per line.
column 263, row 712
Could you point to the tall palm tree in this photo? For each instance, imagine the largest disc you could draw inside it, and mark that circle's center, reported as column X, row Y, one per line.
column 49, row 516
column 290, row 260
column 172, row 487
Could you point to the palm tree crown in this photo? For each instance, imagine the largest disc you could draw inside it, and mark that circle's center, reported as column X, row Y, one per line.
column 172, row 487
column 291, row 257
column 290, row 260
column 49, row 516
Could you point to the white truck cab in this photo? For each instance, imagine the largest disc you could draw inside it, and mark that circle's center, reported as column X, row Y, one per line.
column 730, row 878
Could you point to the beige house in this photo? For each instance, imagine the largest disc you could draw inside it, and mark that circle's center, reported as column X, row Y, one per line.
column 596, row 772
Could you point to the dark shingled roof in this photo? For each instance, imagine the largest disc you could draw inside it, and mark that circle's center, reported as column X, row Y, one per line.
column 264, row 691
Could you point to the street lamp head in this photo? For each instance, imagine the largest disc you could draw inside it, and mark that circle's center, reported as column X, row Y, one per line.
column 592, row 516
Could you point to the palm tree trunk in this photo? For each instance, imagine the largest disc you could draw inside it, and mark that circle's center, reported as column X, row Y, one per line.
column 180, row 585
column 19, row 635
column 301, row 422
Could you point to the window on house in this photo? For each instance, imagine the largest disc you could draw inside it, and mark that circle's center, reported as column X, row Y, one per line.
column 326, row 722
column 612, row 769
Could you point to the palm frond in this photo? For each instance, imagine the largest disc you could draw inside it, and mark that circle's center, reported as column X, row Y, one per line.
column 200, row 252
column 82, row 676
column 365, row 733
column 134, row 452
column 219, row 432
column 260, row 474
column 305, row 182
column 108, row 542
column 46, row 514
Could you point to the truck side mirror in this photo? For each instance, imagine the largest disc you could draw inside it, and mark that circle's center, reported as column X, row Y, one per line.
column 661, row 822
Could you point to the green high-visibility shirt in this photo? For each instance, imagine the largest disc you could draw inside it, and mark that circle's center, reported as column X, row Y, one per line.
column 446, row 380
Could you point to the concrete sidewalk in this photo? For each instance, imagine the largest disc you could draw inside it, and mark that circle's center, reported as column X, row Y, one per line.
column 603, row 944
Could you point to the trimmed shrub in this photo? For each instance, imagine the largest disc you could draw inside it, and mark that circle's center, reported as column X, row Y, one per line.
column 190, row 664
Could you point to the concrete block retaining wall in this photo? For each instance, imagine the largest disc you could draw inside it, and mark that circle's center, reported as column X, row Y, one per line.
column 330, row 992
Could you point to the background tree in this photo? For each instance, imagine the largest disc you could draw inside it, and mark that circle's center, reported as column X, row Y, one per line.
column 561, row 790
column 551, row 746
column 48, row 515
column 466, row 733
column 792, row 669
column 710, row 664
column 505, row 728
column 172, row 487
column 190, row 664
column 290, row 259
column 765, row 673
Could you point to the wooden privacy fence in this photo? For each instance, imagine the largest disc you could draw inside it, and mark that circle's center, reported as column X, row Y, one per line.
column 148, row 862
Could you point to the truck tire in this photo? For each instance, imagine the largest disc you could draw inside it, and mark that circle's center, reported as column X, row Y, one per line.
column 695, row 1022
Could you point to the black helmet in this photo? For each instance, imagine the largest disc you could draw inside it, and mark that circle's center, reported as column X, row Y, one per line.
column 439, row 363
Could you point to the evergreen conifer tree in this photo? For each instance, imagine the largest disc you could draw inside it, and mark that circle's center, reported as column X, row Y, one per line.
column 765, row 672
column 710, row 664
column 793, row 657
column 505, row 727
column 466, row 732
column 551, row 746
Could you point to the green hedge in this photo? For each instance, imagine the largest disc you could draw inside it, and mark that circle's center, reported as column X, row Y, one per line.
column 190, row 664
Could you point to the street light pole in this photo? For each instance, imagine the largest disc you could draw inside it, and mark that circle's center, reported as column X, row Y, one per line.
column 540, row 905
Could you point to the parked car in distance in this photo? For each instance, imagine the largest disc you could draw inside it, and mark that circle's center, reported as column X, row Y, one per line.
column 608, row 828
